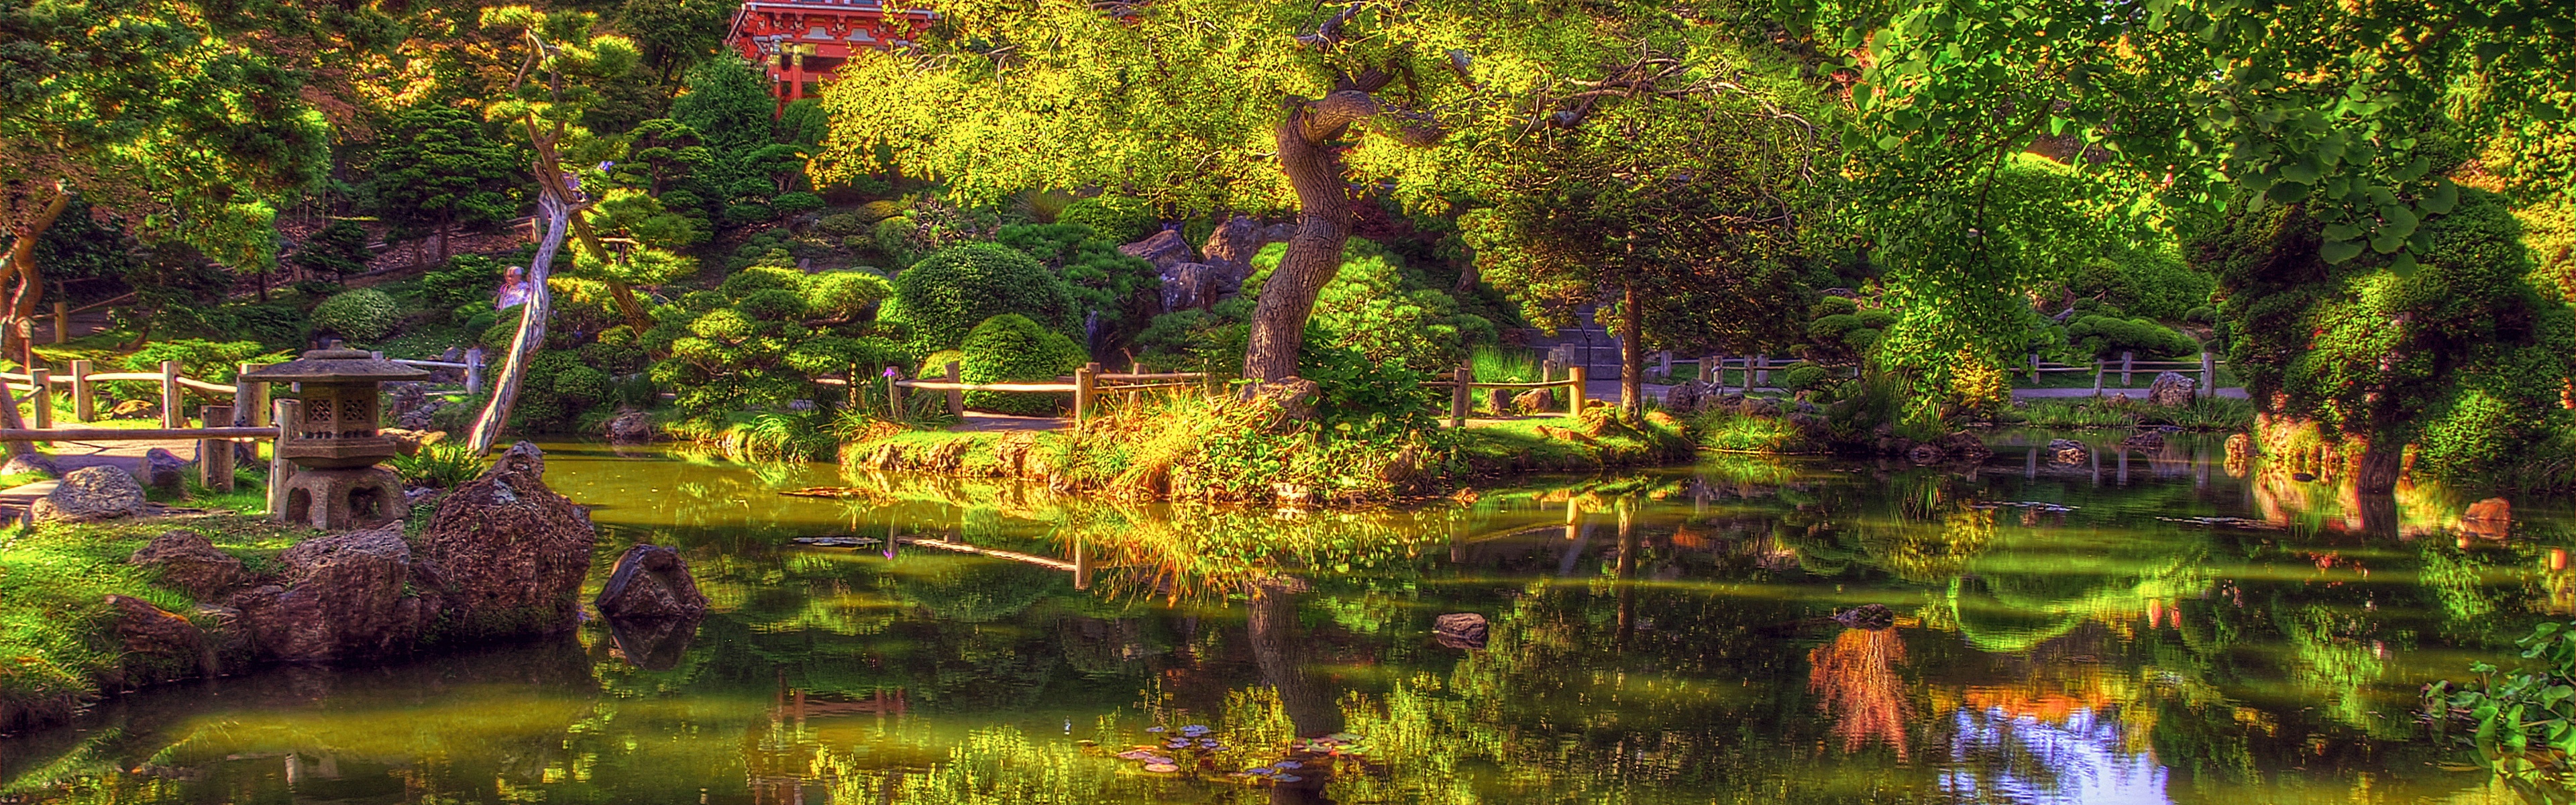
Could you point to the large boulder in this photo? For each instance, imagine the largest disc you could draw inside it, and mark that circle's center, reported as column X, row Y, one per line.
column 1164, row 249
column 1235, row 242
column 88, row 495
column 160, row 645
column 1684, row 397
column 2171, row 389
column 1963, row 446
column 630, row 426
column 191, row 564
column 650, row 582
column 2068, row 451
column 165, row 470
column 343, row 597
column 1189, row 285
column 32, row 463
column 510, row 553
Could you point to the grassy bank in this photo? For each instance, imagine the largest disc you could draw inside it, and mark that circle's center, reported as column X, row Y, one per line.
column 1216, row 449
column 63, row 650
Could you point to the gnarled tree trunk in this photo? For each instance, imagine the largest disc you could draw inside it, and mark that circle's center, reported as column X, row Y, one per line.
column 1323, row 225
column 31, row 284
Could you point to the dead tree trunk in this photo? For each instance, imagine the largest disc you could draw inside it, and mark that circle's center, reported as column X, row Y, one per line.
column 16, row 338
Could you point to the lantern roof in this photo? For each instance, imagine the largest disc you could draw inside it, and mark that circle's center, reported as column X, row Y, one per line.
column 336, row 365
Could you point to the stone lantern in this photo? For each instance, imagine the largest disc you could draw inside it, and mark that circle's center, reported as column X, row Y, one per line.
column 335, row 446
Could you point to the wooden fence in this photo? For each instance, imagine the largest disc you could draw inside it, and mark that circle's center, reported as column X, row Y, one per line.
column 82, row 383
column 1086, row 385
column 2128, row 366
column 1462, row 383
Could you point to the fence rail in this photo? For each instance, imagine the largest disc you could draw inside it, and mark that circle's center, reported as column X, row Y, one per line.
column 1085, row 385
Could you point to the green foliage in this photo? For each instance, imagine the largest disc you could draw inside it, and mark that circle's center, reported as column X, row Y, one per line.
column 790, row 205
column 1805, row 376
column 339, row 250
column 363, row 315
column 940, row 299
column 1735, row 432
column 1119, row 219
column 2148, row 280
column 468, row 279
column 435, row 168
column 1385, row 312
column 2107, row 337
column 211, row 361
column 1194, row 340
column 759, row 340
column 1356, row 395
column 2459, row 349
column 2522, row 723
column 1011, row 347
column 1501, row 364
column 440, row 465
column 1115, row 289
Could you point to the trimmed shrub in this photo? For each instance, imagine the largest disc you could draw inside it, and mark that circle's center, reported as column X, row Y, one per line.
column 1804, row 376
column 881, row 210
column 1011, row 347
column 361, row 315
column 2106, row 336
column 942, row 298
column 841, row 224
column 796, row 203
column 1119, row 218
column 744, row 214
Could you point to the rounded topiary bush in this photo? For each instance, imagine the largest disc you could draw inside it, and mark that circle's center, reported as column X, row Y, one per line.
column 2108, row 336
column 1804, row 376
column 943, row 297
column 796, row 203
column 1011, row 347
column 1119, row 218
column 365, row 314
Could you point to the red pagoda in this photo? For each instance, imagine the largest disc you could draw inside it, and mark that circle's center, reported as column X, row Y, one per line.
column 803, row 41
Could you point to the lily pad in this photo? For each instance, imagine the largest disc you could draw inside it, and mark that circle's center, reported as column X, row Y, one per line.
column 1153, row 729
column 1287, row 778
column 1134, row 754
column 1290, row 764
column 1161, row 767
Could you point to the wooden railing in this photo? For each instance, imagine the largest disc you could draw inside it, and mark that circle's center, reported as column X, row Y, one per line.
column 1462, row 381
column 1086, row 385
column 2128, row 366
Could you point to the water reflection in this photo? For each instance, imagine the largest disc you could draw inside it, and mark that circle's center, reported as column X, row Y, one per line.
column 2037, row 634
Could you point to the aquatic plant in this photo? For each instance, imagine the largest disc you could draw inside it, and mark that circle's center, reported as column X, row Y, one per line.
column 440, row 465
column 2521, row 723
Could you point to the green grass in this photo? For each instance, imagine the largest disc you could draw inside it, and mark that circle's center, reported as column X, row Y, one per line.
column 1500, row 364
column 2204, row 414
column 1739, row 433
column 54, row 621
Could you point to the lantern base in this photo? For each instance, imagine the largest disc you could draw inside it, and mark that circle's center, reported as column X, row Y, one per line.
column 344, row 498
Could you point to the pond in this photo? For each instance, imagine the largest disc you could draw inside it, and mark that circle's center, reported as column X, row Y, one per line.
column 2052, row 633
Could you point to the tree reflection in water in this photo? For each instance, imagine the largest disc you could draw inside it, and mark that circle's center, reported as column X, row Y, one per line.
column 1855, row 679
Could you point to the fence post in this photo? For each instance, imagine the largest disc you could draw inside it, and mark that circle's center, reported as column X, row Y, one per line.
column 84, row 408
column 894, row 393
column 279, row 471
column 1086, row 382
column 215, row 456
column 42, row 396
column 171, row 416
column 2034, row 367
column 2128, row 361
column 250, row 399
column 2208, row 374
column 956, row 397
column 1703, row 368
column 1574, row 393
column 2099, row 366
column 62, row 321
column 1666, row 358
column 1459, row 378
column 473, row 371
column 1764, row 377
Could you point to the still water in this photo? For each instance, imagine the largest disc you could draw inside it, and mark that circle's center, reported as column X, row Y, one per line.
column 2059, row 635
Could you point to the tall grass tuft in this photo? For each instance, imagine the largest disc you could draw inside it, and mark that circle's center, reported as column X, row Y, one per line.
column 1502, row 364
column 439, row 465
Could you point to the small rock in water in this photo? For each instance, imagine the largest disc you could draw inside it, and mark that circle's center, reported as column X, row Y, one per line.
column 836, row 542
column 1871, row 617
column 1460, row 630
